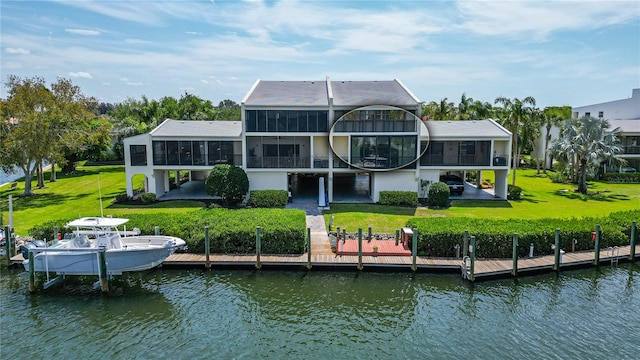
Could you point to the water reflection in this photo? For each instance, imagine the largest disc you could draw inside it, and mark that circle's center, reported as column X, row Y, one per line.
column 267, row 314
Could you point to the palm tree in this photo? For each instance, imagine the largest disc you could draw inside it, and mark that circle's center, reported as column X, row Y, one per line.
column 513, row 113
column 552, row 116
column 464, row 107
column 442, row 110
column 586, row 141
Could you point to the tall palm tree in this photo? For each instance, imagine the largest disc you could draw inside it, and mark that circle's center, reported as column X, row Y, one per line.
column 464, row 107
column 513, row 113
column 589, row 141
column 552, row 116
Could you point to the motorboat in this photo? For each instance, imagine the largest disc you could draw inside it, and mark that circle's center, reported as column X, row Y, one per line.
column 79, row 253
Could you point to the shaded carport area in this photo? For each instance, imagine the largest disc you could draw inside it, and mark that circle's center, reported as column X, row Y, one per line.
column 471, row 192
column 190, row 190
column 351, row 188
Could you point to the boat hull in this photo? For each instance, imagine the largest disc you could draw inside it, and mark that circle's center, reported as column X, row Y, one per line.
column 139, row 254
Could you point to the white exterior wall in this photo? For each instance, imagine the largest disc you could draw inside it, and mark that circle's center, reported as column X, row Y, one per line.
column 613, row 110
column 430, row 176
column 268, row 180
column 130, row 171
column 392, row 181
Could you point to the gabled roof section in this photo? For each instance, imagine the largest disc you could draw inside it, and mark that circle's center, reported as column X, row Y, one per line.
column 463, row 129
column 198, row 128
column 362, row 93
column 288, row 93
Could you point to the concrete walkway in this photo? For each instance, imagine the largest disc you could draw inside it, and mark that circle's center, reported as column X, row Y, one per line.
column 320, row 244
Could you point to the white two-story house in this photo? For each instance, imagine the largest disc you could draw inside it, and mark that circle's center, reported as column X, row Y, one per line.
column 327, row 130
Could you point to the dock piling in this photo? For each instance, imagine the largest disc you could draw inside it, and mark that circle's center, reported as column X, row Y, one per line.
column 7, row 244
column 596, row 259
column 309, row 248
column 632, row 240
column 397, row 236
column 156, row 230
column 514, row 268
column 207, row 248
column 465, row 244
column 556, row 251
column 414, row 249
column 104, row 281
column 32, row 273
column 359, row 248
column 258, row 248
column 472, row 254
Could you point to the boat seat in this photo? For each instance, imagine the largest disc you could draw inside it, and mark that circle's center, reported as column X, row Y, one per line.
column 81, row 241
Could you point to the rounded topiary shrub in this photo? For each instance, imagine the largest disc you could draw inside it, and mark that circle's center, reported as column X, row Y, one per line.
column 228, row 182
column 514, row 192
column 439, row 194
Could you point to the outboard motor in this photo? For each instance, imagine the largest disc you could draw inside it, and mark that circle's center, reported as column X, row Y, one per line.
column 31, row 245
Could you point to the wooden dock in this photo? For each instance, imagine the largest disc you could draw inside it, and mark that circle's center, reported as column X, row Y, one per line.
column 484, row 268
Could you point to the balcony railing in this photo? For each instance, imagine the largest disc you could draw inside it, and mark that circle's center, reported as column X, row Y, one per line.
column 462, row 160
column 278, row 162
column 631, row 150
column 356, row 126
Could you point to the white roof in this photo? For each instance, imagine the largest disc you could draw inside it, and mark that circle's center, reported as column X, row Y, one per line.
column 198, row 128
column 462, row 129
column 97, row 222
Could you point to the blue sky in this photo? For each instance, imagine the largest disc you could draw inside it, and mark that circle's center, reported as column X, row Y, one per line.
column 559, row 52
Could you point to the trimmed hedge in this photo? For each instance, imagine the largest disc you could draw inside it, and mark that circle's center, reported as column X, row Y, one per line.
column 408, row 198
column 439, row 194
column 268, row 198
column 630, row 177
column 437, row 237
column 148, row 198
column 230, row 231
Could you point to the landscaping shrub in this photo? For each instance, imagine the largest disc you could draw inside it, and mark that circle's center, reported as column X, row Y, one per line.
column 122, row 197
column 558, row 177
column 408, row 198
column 148, row 198
column 268, row 198
column 514, row 192
column 439, row 194
column 227, row 181
column 630, row 177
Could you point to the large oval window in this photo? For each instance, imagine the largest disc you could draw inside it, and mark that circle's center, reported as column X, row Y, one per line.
column 378, row 138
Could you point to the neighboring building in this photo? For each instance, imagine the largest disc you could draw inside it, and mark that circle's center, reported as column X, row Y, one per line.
column 328, row 130
column 623, row 114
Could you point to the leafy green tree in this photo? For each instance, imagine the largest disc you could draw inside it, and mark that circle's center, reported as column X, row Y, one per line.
column 228, row 110
column 227, row 181
column 75, row 125
column 26, row 125
column 588, row 141
column 513, row 113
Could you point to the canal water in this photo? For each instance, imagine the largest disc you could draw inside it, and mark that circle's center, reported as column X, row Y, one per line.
column 195, row 314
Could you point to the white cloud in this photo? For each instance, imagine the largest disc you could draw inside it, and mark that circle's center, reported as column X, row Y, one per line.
column 105, row 83
column 123, row 79
column 80, row 74
column 130, row 83
column 83, row 32
column 541, row 18
column 193, row 33
column 20, row 51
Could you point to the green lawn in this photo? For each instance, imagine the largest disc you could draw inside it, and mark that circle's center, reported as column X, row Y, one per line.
column 540, row 199
column 77, row 195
